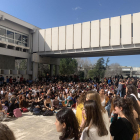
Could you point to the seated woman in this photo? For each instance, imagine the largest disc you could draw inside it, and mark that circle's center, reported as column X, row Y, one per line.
column 6, row 133
column 23, row 102
column 29, row 99
column 12, row 106
column 67, row 124
column 35, row 104
column 61, row 99
column 93, row 126
column 2, row 113
column 56, row 103
column 48, row 104
column 68, row 101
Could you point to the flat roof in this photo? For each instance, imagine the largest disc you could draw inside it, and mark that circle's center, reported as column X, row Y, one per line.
column 18, row 21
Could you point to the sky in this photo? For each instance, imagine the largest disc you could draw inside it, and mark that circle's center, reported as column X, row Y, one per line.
column 54, row 13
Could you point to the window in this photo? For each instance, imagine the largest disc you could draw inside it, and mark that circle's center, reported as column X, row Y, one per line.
column 17, row 37
column 10, row 34
column 13, row 37
column 2, row 32
column 24, row 39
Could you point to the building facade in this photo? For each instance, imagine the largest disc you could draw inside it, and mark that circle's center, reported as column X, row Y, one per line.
column 105, row 37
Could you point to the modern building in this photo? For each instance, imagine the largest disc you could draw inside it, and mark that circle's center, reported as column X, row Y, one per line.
column 131, row 71
column 105, row 37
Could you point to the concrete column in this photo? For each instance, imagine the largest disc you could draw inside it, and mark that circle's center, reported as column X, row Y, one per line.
column 56, row 70
column 51, row 69
column 35, row 70
column 29, row 64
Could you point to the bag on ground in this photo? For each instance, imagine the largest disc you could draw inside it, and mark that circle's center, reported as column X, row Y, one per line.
column 48, row 113
column 17, row 113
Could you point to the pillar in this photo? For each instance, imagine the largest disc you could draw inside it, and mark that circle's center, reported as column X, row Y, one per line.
column 35, row 71
column 51, row 70
column 56, row 70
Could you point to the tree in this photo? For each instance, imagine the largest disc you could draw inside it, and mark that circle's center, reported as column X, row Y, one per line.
column 113, row 70
column 107, row 61
column 68, row 66
column 98, row 70
column 85, row 64
column 21, row 64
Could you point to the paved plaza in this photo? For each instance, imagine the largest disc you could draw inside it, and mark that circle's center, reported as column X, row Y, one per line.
column 31, row 127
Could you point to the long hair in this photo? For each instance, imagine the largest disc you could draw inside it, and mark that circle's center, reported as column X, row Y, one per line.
column 127, row 109
column 93, row 95
column 94, row 117
column 112, row 103
column 132, row 89
column 67, row 116
column 134, row 101
column 6, row 133
column 82, row 98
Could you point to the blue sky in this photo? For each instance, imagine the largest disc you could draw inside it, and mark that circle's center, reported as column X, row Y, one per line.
column 53, row 13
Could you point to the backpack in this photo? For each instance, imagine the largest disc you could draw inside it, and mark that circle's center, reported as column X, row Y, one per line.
column 17, row 113
column 48, row 113
column 24, row 110
column 36, row 111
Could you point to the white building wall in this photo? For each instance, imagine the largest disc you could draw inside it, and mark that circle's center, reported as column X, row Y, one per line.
column 55, row 38
column 48, row 39
column 77, row 36
column 126, row 29
column 69, row 37
column 62, row 35
column 115, row 31
column 95, row 36
column 41, row 39
column 104, row 32
column 136, row 28
column 86, row 35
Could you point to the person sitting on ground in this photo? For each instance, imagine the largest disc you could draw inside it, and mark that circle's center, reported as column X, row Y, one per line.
column 67, row 124
column 56, row 103
column 12, row 107
column 6, row 133
column 48, row 104
column 68, row 101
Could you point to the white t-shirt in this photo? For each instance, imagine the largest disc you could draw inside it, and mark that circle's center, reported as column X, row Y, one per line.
column 2, row 92
column 93, row 134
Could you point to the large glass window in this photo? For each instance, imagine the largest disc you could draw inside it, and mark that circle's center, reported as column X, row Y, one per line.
column 13, row 37
column 17, row 37
column 2, row 32
column 10, row 34
column 24, row 39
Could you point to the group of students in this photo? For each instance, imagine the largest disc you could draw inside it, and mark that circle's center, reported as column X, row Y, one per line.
column 84, row 110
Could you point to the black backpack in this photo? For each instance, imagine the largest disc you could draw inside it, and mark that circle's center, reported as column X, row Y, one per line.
column 48, row 113
column 37, row 111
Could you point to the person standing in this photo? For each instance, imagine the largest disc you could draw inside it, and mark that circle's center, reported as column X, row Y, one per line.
column 139, row 89
column 123, row 124
column 93, row 126
column 120, row 87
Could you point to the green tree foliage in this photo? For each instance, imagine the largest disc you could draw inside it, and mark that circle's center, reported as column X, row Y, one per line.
column 68, row 66
column 107, row 61
column 98, row 70
column 81, row 74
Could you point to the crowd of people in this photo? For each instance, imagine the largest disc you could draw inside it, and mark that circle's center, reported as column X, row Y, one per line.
column 100, row 110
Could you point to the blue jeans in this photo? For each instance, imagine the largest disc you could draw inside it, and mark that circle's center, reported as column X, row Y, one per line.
column 119, row 92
